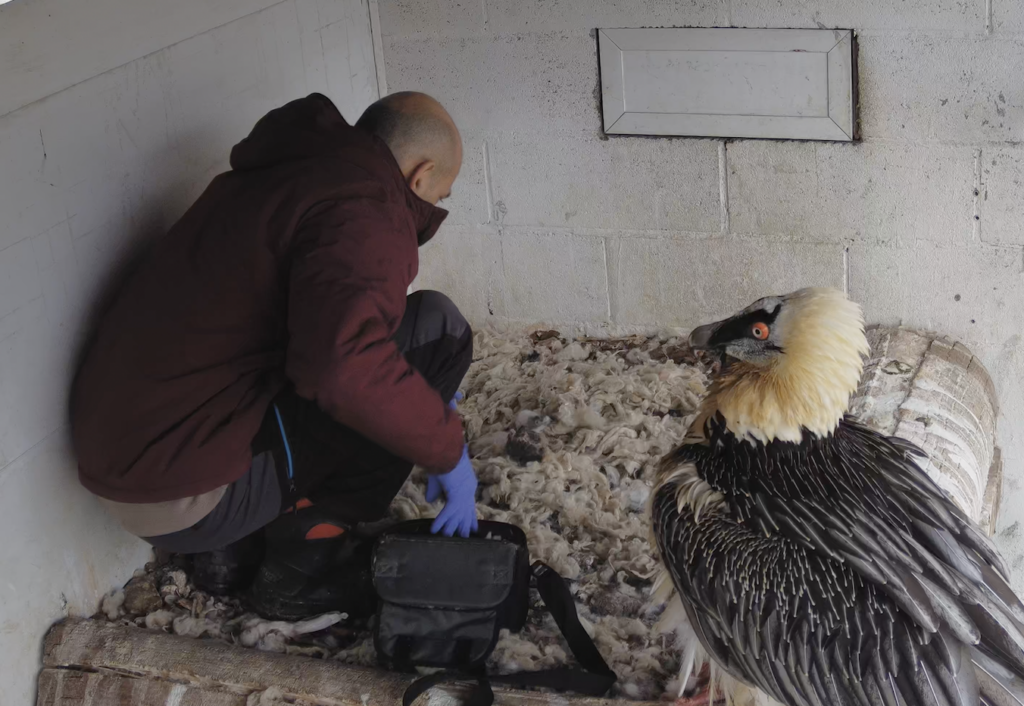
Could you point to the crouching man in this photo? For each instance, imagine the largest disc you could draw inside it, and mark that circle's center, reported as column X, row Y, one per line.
column 264, row 368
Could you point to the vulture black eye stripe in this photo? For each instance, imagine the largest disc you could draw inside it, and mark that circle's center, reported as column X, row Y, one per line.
column 741, row 326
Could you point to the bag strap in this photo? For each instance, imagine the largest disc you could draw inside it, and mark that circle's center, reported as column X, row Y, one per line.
column 480, row 695
column 592, row 678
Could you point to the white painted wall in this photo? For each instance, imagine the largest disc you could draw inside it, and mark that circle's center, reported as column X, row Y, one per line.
column 114, row 115
column 922, row 223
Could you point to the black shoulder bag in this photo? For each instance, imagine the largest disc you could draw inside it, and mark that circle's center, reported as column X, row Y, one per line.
column 443, row 600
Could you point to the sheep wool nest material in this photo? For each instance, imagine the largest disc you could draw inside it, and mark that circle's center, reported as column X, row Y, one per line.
column 565, row 436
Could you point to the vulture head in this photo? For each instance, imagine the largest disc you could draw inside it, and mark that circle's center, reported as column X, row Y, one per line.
column 790, row 365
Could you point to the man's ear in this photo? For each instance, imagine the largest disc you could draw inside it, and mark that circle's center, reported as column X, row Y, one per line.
column 419, row 177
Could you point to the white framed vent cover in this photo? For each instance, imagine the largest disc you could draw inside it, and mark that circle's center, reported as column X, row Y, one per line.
column 788, row 84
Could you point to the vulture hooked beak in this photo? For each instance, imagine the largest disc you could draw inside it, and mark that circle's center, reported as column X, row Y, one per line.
column 702, row 337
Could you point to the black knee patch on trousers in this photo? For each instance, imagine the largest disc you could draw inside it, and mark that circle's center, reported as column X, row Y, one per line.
column 429, row 316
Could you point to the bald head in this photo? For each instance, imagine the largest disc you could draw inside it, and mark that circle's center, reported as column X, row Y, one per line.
column 422, row 137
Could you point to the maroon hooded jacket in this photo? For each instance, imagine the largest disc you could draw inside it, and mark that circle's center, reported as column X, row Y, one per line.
column 292, row 266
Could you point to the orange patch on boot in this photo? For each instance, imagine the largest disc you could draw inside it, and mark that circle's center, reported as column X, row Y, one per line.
column 325, row 531
column 300, row 505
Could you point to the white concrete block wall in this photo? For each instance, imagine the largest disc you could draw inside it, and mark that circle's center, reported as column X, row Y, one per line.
column 114, row 115
column 922, row 222
column 910, row 15
column 870, row 193
column 1008, row 17
column 652, row 275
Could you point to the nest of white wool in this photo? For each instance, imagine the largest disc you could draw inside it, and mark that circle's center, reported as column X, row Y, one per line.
column 565, row 436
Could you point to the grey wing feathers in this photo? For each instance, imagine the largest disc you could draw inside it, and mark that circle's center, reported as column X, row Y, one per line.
column 897, row 603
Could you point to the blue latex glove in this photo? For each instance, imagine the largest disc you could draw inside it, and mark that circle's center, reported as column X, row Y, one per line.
column 453, row 405
column 459, row 488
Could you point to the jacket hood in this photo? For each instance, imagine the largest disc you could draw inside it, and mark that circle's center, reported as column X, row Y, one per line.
column 313, row 127
column 305, row 128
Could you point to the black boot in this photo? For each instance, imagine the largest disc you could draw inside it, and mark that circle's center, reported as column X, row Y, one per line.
column 231, row 568
column 302, row 577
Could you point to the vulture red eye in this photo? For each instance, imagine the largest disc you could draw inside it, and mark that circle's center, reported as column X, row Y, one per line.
column 760, row 331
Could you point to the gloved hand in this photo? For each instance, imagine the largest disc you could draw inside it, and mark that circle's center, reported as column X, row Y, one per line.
column 453, row 405
column 459, row 487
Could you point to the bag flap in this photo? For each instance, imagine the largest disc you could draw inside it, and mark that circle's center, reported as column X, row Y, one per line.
column 444, row 572
column 436, row 637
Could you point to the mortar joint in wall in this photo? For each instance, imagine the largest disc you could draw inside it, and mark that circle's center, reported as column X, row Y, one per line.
column 723, row 184
column 492, row 216
column 610, row 309
column 978, row 189
column 846, row 269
